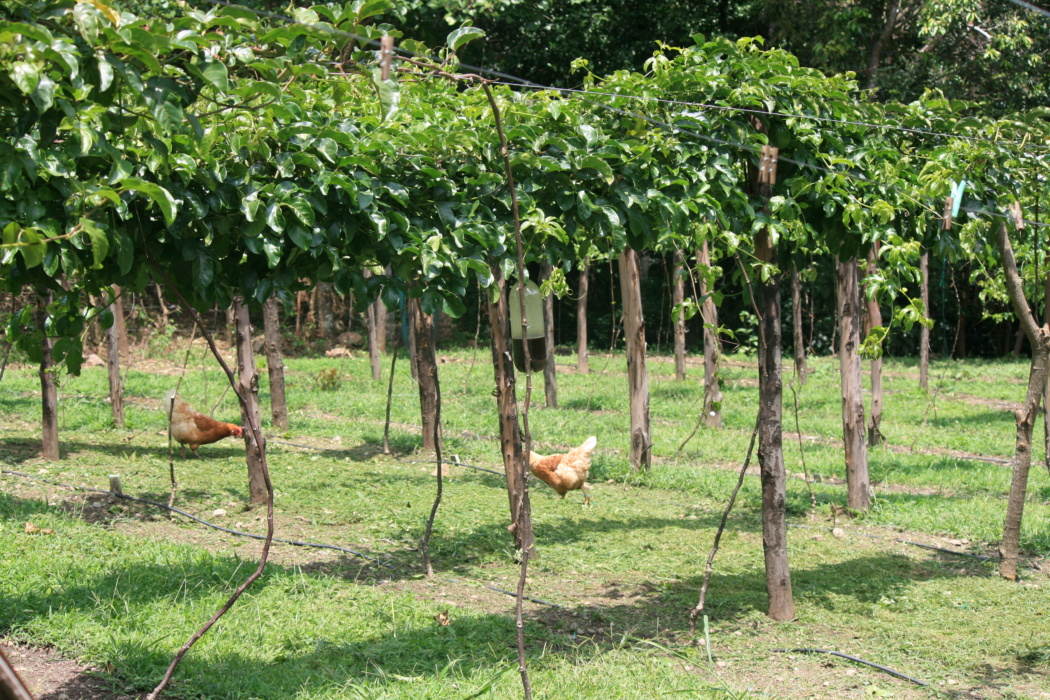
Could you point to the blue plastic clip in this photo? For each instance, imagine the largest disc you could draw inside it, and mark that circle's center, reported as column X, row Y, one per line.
column 957, row 192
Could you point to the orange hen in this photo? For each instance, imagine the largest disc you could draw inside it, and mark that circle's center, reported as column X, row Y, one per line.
column 566, row 472
column 195, row 429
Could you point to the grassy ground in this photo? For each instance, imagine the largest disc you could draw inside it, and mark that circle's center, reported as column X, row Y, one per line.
column 122, row 586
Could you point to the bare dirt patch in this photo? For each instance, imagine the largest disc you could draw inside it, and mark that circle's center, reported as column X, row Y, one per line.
column 51, row 677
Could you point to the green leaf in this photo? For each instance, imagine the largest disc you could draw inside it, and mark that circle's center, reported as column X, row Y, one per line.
column 161, row 197
column 26, row 76
column 44, row 94
column 99, row 242
column 274, row 216
column 462, row 36
column 215, row 73
column 389, row 95
column 303, row 210
column 600, row 165
column 31, row 244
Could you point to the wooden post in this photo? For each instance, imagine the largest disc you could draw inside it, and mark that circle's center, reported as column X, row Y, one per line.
column 372, row 328
column 924, row 330
column 712, row 348
column 248, row 379
column 678, row 322
column 118, row 321
column 873, row 319
column 858, row 495
column 1039, row 338
column 114, row 485
column 637, row 373
column 509, row 431
column 581, row 320
column 796, row 326
column 770, row 417
column 550, row 378
column 116, row 393
column 48, row 390
column 275, row 362
column 425, row 362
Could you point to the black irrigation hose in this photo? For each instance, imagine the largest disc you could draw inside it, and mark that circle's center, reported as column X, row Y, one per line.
column 853, row 658
column 183, row 513
column 450, row 464
column 913, row 544
column 512, row 594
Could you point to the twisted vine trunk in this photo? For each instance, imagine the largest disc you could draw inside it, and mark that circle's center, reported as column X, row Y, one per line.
column 1039, row 338
column 275, row 363
column 712, row 350
column 637, row 373
column 857, row 494
column 678, row 292
column 248, row 381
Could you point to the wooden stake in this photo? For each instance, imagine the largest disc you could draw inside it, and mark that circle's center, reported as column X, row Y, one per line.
column 767, row 166
column 1015, row 211
column 386, row 52
column 946, row 221
column 114, row 485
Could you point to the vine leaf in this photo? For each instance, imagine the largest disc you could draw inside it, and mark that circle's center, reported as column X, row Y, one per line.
column 462, row 36
column 389, row 95
column 161, row 197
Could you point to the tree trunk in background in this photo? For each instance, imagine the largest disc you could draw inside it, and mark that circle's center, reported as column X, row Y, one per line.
column 48, row 392
column 411, row 342
column 770, row 434
column 425, row 363
column 550, row 381
column 248, row 378
column 873, row 319
column 581, row 321
column 118, row 321
column 275, row 362
column 116, row 393
column 162, row 305
column 325, row 310
column 379, row 314
column 712, row 348
column 1046, row 386
column 796, row 326
column 858, row 496
column 637, row 374
column 924, row 331
column 1039, row 338
column 231, row 326
column 509, row 432
column 678, row 287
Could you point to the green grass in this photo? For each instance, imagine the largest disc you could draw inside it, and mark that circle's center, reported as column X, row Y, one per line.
column 121, row 586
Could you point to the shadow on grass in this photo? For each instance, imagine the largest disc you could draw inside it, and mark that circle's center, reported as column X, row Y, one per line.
column 342, row 659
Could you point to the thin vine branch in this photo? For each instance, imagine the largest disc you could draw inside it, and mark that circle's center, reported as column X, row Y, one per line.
column 699, row 609
column 256, row 430
column 520, row 596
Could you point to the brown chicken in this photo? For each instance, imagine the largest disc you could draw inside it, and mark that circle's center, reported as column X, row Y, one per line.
column 195, row 429
column 566, row 472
